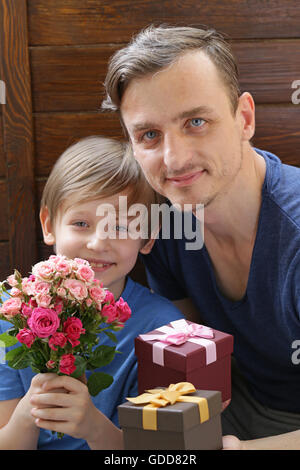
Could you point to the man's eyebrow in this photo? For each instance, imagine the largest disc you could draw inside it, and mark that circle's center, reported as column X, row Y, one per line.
column 196, row 112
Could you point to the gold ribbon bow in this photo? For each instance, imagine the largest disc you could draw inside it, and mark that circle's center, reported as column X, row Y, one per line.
column 158, row 398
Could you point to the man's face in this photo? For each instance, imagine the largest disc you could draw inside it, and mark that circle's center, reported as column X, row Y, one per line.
column 183, row 131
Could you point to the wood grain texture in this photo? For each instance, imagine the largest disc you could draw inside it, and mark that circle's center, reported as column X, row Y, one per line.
column 2, row 161
column 4, row 228
column 71, row 78
column 56, row 131
column 278, row 130
column 5, row 269
column 17, row 134
column 105, row 21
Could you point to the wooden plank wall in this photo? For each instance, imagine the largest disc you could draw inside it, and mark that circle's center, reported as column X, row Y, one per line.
column 69, row 43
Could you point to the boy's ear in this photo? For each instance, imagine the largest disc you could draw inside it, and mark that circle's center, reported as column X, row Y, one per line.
column 48, row 234
column 146, row 249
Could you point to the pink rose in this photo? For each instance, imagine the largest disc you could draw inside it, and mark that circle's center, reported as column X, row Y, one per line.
column 57, row 339
column 41, row 287
column 44, row 270
column 58, row 307
column 28, row 285
column 109, row 297
column 61, row 292
column 72, row 328
column 12, row 280
column 11, row 307
column 32, row 303
column 81, row 261
column 26, row 311
column 97, row 293
column 110, row 312
column 43, row 300
column 85, row 273
column 66, row 364
column 26, row 337
column 76, row 288
column 15, row 292
column 43, row 322
column 63, row 267
column 123, row 309
column 50, row 364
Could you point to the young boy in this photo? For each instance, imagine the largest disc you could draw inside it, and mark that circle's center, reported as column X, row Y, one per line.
column 89, row 177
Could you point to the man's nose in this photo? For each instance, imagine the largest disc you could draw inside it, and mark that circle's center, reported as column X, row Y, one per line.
column 176, row 152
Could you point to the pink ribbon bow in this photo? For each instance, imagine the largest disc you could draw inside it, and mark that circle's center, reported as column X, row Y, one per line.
column 180, row 332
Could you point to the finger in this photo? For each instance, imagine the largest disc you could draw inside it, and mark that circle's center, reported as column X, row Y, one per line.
column 51, row 399
column 50, row 414
column 39, row 379
column 69, row 383
column 57, row 426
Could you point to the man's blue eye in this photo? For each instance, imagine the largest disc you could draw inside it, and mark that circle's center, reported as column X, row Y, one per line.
column 150, row 135
column 197, row 122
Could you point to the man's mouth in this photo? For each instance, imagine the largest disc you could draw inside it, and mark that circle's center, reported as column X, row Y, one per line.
column 186, row 179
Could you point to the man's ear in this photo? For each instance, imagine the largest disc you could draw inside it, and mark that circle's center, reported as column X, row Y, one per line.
column 247, row 113
column 146, row 249
column 48, row 233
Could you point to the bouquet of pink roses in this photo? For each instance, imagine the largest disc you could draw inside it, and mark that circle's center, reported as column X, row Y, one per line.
column 57, row 314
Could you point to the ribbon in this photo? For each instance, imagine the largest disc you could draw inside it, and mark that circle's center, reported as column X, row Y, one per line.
column 178, row 334
column 158, row 398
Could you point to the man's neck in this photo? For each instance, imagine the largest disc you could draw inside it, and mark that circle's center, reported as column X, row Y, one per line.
column 233, row 217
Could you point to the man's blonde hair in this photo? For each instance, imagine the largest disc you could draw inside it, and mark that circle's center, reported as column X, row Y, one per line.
column 157, row 47
column 93, row 168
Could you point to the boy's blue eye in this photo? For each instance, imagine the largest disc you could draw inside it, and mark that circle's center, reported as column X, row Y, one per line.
column 80, row 224
column 120, row 228
column 197, row 122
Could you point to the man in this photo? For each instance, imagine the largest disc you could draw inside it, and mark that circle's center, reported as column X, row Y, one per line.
column 176, row 90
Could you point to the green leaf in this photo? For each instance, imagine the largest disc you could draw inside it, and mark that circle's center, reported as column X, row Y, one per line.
column 101, row 356
column 98, row 381
column 18, row 358
column 111, row 335
column 80, row 364
column 8, row 340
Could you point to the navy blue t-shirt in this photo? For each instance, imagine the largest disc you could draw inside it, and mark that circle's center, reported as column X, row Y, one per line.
column 266, row 322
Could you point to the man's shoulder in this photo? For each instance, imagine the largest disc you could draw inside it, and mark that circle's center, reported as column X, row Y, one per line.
column 282, row 188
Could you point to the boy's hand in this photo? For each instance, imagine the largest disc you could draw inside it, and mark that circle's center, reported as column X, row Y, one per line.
column 64, row 406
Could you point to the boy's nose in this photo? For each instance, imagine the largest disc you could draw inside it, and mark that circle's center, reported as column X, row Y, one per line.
column 98, row 242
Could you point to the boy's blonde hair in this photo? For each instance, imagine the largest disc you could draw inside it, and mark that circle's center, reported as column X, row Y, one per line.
column 93, row 168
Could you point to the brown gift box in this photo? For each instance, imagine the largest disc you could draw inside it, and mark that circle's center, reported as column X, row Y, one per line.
column 178, row 426
column 186, row 363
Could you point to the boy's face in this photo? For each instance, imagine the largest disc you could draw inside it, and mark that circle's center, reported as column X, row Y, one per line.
column 80, row 233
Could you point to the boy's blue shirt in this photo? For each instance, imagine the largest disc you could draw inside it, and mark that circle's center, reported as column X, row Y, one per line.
column 149, row 311
column 266, row 321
